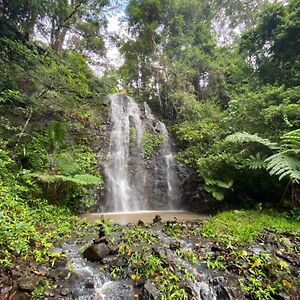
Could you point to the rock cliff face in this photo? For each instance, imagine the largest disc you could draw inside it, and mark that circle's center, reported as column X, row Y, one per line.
column 140, row 173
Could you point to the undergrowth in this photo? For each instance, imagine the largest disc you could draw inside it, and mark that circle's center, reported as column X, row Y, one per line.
column 245, row 226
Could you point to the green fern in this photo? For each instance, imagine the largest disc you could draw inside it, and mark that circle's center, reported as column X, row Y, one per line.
column 256, row 162
column 244, row 137
column 286, row 163
column 56, row 132
column 217, row 187
column 291, row 140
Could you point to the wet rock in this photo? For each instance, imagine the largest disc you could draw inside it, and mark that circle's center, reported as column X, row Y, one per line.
column 157, row 219
column 286, row 242
column 223, row 294
column 233, row 288
column 48, row 293
column 257, row 249
column 28, row 283
column 140, row 223
column 55, row 251
column 21, row 296
column 43, row 270
column 205, row 292
column 140, row 282
column 150, row 292
column 61, row 262
column 89, row 284
column 96, row 252
column 16, row 273
column 217, row 280
column 59, row 273
column 65, row 291
column 281, row 296
column 216, row 248
column 174, row 246
column 109, row 260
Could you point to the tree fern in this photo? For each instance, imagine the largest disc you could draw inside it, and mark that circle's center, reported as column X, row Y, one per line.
column 286, row 163
column 217, row 187
column 256, row 162
column 291, row 140
column 244, row 137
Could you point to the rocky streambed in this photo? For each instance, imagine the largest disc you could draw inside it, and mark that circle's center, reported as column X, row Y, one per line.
column 162, row 260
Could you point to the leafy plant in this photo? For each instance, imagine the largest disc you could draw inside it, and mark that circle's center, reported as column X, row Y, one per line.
column 285, row 163
column 151, row 142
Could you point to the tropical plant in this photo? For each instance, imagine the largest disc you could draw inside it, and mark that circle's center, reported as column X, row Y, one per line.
column 284, row 163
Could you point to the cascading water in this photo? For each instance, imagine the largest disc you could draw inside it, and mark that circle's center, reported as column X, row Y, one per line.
column 132, row 182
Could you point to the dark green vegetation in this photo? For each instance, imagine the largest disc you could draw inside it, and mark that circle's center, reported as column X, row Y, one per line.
column 212, row 84
column 259, row 262
column 232, row 103
column 52, row 110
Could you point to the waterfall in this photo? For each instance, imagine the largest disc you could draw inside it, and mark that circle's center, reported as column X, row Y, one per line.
column 132, row 182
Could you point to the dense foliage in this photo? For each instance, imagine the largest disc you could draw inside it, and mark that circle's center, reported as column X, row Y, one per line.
column 210, row 88
column 52, row 110
column 225, row 77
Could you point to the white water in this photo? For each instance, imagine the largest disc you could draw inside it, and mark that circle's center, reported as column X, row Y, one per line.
column 132, row 184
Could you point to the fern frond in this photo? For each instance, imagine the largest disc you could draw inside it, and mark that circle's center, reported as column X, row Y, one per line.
column 256, row 162
column 218, row 182
column 284, row 165
column 244, row 137
column 291, row 139
column 217, row 187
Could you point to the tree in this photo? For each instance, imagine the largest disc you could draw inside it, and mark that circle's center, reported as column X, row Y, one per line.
column 19, row 17
column 273, row 46
column 79, row 21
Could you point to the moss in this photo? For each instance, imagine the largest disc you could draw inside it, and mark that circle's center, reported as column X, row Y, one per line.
column 132, row 137
column 151, row 143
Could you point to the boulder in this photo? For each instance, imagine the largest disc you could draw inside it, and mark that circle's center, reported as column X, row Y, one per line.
column 96, row 252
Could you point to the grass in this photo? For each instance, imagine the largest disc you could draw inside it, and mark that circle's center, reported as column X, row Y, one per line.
column 244, row 226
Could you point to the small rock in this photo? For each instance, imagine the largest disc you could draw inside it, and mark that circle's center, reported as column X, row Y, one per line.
column 205, row 291
column 174, row 246
column 48, row 293
column 217, row 280
column 59, row 273
column 89, row 284
column 150, row 292
column 28, row 283
column 56, row 250
column 21, row 296
column 140, row 223
column 61, row 262
column 223, row 294
column 157, row 219
column 286, row 242
column 65, row 291
column 140, row 282
column 109, row 259
column 96, row 252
